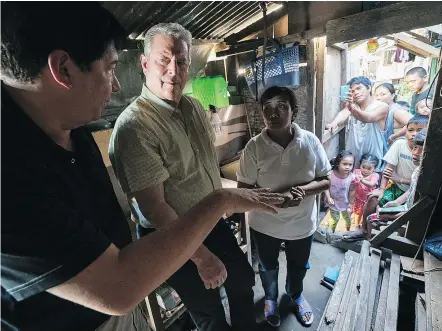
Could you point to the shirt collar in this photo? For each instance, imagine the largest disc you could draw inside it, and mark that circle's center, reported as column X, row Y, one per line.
column 19, row 121
column 296, row 129
column 160, row 105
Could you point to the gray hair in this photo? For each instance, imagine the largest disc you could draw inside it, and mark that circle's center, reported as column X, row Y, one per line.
column 174, row 30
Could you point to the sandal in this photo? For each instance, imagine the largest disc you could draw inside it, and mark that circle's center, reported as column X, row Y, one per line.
column 302, row 308
column 271, row 313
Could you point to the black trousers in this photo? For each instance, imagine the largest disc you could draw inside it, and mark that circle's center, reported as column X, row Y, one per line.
column 297, row 253
column 204, row 305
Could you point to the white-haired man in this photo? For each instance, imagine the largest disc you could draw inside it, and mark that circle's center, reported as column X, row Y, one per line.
column 163, row 155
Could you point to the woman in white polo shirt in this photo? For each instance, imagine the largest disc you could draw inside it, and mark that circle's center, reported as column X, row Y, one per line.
column 284, row 158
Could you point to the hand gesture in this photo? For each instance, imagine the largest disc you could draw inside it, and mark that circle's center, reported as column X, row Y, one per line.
column 240, row 200
column 391, row 204
column 332, row 127
column 298, row 195
column 211, row 270
column 391, row 139
column 349, row 209
column 390, row 174
column 376, row 193
column 330, row 201
column 349, row 102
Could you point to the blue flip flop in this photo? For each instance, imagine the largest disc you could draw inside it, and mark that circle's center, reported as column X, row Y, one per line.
column 301, row 310
column 271, row 313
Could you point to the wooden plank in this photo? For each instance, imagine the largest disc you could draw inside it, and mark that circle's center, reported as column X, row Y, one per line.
column 394, row 18
column 311, row 85
column 344, row 302
column 382, row 303
column 399, row 245
column 424, row 49
column 331, row 312
column 375, row 260
column 320, row 55
column 302, row 37
column 363, row 288
column 354, row 299
column 420, row 314
column 413, row 213
column 433, row 291
column 412, row 265
column 156, row 322
column 327, row 134
column 392, row 310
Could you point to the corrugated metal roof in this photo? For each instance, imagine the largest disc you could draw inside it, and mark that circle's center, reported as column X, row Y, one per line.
column 204, row 19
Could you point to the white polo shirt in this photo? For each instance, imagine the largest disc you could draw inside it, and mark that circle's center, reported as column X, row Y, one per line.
column 267, row 164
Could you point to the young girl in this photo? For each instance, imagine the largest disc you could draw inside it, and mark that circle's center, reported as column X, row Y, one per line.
column 340, row 197
column 367, row 181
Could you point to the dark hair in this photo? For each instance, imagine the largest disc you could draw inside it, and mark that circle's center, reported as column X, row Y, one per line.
column 32, row 30
column 369, row 158
column 421, row 72
column 342, row 154
column 403, row 104
column 418, row 119
column 282, row 91
column 360, row 80
column 420, row 137
column 390, row 89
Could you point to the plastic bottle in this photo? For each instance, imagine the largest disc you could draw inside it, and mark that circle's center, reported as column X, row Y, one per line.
column 215, row 120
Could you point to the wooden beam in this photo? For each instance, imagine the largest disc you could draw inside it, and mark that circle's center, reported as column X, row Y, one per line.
column 433, row 291
column 415, row 46
column 412, row 214
column 392, row 308
column 420, row 38
column 258, row 26
column 302, row 37
column 400, row 245
column 397, row 17
column 327, row 135
column 156, row 322
column 429, row 181
column 310, row 85
column 320, row 56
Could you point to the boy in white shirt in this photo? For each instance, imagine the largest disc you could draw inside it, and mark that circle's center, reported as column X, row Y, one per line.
column 397, row 174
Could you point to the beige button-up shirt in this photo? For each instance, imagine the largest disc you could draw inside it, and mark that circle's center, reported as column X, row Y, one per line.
column 154, row 143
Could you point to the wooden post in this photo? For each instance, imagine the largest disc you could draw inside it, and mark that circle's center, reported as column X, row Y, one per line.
column 156, row 322
column 320, row 56
column 311, row 85
column 430, row 179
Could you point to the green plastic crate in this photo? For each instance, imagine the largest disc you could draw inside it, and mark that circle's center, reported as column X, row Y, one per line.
column 211, row 91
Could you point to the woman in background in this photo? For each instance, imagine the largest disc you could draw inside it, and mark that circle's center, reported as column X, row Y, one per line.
column 397, row 116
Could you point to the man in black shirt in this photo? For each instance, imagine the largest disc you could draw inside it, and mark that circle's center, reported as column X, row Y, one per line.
column 68, row 262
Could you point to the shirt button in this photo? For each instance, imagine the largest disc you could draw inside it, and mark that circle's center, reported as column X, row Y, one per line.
column 197, row 150
column 72, row 160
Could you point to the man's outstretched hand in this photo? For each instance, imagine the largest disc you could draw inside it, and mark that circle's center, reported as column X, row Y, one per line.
column 240, row 200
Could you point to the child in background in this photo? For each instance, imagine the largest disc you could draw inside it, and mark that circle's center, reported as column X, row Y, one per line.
column 367, row 181
column 340, row 197
column 423, row 107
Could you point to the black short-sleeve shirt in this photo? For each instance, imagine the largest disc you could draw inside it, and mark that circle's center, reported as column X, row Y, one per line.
column 59, row 214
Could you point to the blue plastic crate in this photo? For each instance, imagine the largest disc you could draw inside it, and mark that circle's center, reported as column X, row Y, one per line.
column 281, row 68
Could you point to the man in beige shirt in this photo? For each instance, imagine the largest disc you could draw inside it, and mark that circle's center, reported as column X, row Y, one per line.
column 163, row 155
